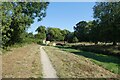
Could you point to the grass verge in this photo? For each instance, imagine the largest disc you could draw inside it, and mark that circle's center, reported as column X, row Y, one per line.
column 110, row 63
column 69, row 65
column 22, row 62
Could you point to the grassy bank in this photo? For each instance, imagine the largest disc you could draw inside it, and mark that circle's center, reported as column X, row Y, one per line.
column 69, row 65
column 22, row 62
column 101, row 49
column 24, row 42
column 110, row 63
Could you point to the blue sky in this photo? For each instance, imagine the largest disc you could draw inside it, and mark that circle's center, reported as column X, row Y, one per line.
column 65, row 15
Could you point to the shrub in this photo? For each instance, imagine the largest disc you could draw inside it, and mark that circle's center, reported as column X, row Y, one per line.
column 75, row 39
column 96, row 49
column 40, row 42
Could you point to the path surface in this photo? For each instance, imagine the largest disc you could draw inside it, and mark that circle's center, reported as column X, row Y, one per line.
column 48, row 70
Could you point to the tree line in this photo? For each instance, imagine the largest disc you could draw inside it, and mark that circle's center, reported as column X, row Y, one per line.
column 55, row 34
column 104, row 28
column 18, row 16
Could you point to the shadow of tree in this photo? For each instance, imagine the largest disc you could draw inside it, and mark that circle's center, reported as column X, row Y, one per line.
column 94, row 56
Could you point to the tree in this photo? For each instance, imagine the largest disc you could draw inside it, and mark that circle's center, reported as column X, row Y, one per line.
column 65, row 34
column 17, row 17
column 30, row 35
column 70, row 37
column 108, row 16
column 74, row 40
column 80, row 30
column 54, row 34
column 94, row 32
column 37, row 36
column 42, row 31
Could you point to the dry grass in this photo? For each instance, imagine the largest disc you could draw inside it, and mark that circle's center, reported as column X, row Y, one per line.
column 23, row 62
column 69, row 65
column 0, row 66
column 110, row 63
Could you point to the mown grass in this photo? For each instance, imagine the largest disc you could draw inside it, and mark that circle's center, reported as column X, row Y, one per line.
column 110, row 63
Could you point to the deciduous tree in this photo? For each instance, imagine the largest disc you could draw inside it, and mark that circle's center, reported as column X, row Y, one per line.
column 108, row 15
column 17, row 17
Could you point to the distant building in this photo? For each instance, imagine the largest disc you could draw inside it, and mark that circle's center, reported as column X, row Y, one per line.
column 47, row 42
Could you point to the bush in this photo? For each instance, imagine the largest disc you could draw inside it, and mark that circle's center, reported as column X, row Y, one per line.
column 75, row 39
column 96, row 49
column 39, row 42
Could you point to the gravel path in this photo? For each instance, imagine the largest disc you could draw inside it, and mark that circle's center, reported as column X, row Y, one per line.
column 48, row 70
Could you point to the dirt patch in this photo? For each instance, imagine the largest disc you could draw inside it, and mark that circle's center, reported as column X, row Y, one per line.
column 70, row 65
column 23, row 62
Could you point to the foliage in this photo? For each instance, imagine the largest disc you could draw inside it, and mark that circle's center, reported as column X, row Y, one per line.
column 56, row 34
column 41, row 32
column 104, row 28
column 75, row 39
column 100, row 49
column 30, row 35
column 38, row 38
column 94, row 32
column 65, row 33
column 70, row 37
column 51, row 34
column 41, row 29
column 17, row 17
column 39, row 42
column 80, row 30
column 108, row 16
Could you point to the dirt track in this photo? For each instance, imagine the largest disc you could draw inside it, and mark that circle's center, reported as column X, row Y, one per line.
column 48, row 70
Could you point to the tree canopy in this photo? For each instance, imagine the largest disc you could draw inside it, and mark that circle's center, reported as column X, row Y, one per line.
column 80, row 30
column 41, row 32
column 105, row 27
column 17, row 17
column 56, row 34
column 108, row 16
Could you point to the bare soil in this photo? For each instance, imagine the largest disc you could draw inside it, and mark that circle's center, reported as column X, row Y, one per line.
column 23, row 62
